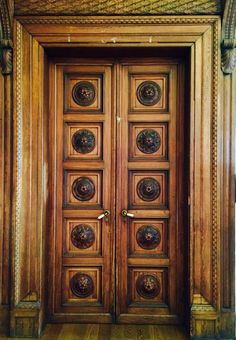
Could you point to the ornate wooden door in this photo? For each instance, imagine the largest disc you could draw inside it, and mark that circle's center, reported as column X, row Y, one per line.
column 150, row 191
column 116, row 192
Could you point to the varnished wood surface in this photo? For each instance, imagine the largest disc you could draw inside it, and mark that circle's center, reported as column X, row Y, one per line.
column 210, row 258
column 111, row 332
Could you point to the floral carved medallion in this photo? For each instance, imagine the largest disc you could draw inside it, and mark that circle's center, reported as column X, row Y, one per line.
column 83, row 141
column 148, row 189
column 82, row 285
column 148, row 93
column 84, row 93
column 82, row 236
column 148, row 286
column 148, row 141
column 83, row 189
column 148, row 237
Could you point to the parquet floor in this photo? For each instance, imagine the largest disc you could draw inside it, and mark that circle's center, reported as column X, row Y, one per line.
column 111, row 332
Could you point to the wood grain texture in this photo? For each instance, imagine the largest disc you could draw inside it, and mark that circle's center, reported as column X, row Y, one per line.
column 110, row 7
column 110, row 332
column 205, row 206
column 91, row 265
column 131, row 194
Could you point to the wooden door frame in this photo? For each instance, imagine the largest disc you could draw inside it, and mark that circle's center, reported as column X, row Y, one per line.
column 201, row 35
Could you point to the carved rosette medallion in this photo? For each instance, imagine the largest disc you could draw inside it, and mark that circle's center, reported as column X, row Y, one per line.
column 148, row 141
column 83, row 189
column 148, row 286
column 83, row 141
column 84, row 93
column 82, row 236
column 148, row 189
column 148, row 93
column 148, row 237
column 82, row 285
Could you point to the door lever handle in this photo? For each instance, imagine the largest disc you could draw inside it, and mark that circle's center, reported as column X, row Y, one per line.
column 125, row 213
column 105, row 213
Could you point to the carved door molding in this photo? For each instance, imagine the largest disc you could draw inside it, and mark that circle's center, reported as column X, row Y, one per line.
column 201, row 35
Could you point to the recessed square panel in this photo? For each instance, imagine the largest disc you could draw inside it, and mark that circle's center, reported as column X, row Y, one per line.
column 83, row 188
column 148, row 92
column 148, row 141
column 148, row 237
column 82, row 285
column 82, row 237
column 148, row 189
column 83, row 141
column 83, row 92
column 148, row 286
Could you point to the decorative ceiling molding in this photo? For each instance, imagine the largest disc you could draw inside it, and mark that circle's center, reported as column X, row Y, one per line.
column 228, row 45
column 114, row 7
column 5, row 38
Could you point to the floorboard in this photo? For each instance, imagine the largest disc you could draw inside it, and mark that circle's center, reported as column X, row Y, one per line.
column 110, row 332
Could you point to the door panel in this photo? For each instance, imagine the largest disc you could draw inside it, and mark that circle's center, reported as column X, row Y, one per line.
column 149, row 255
column 116, row 143
column 81, row 189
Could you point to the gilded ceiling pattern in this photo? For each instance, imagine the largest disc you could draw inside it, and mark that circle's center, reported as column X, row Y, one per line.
column 121, row 7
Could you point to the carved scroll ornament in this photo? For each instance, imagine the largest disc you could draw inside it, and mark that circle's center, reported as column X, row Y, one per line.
column 5, row 38
column 228, row 45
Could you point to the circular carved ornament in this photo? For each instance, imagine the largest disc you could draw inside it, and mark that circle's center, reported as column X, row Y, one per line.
column 83, row 141
column 148, row 189
column 82, row 236
column 83, row 189
column 148, row 141
column 84, row 93
column 148, row 237
column 148, row 93
column 148, row 286
column 82, row 285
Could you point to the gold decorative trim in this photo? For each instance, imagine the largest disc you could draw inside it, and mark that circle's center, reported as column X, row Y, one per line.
column 99, row 20
column 215, row 207
column 114, row 7
column 19, row 146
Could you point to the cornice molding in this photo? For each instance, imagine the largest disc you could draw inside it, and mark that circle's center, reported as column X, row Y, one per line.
column 228, row 45
column 5, row 38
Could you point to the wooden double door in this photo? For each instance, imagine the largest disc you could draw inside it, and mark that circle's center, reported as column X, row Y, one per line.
column 117, row 246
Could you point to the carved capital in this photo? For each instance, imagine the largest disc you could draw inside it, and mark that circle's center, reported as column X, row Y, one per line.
column 5, row 38
column 228, row 45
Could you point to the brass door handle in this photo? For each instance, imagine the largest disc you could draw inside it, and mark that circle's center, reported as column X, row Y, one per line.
column 105, row 213
column 125, row 213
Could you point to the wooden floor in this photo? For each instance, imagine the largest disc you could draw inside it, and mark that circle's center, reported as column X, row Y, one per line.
column 114, row 332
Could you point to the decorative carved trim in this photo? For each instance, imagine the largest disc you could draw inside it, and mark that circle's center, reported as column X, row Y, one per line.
column 5, row 38
column 197, row 307
column 215, row 207
column 200, row 304
column 122, row 7
column 228, row 45
column 17, row 232
column 144, row 20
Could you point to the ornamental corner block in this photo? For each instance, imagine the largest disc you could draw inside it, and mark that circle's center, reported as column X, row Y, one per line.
column 6, row 45
column 228, row 43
